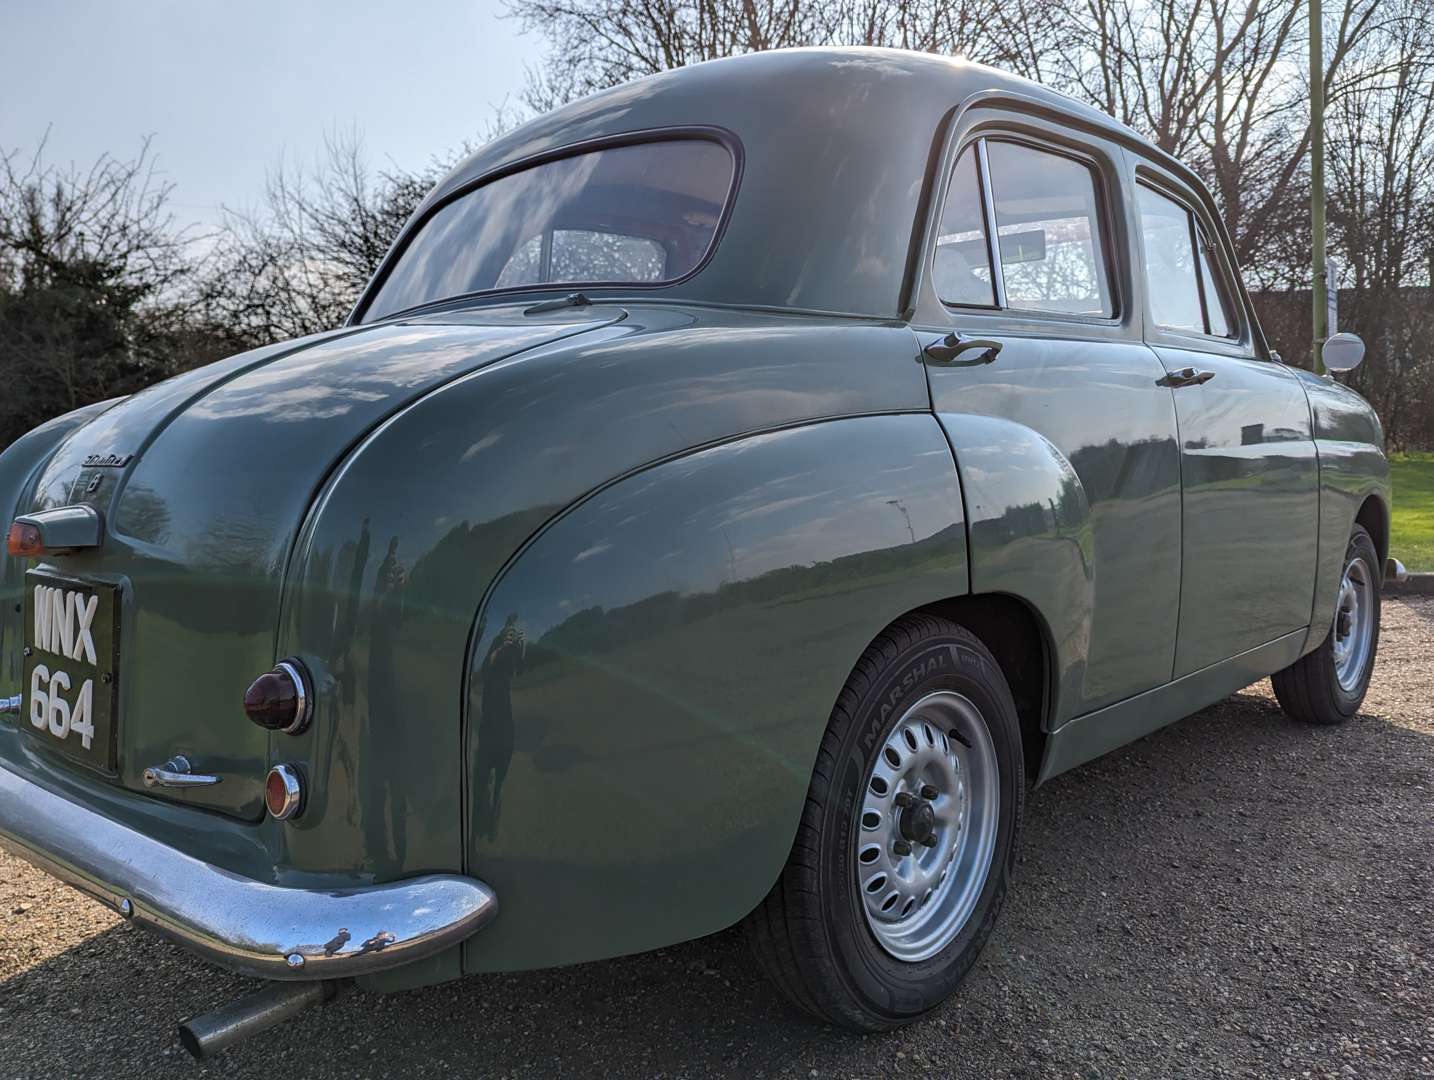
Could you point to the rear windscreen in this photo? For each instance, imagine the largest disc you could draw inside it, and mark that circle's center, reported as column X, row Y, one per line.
column 643, row 214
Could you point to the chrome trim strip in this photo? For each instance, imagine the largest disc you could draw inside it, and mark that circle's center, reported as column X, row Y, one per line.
column 305, row 704
column 248, row 926
column 293, row 792
column 993, row 239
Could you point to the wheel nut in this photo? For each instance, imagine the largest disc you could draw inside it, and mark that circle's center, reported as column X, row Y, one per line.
column 901, row 847
column 928, row 840
column 928, row 792
column 904, row 799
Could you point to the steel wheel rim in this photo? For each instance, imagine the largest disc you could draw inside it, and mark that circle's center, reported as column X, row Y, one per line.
column 918, row 887
column 1354, row 624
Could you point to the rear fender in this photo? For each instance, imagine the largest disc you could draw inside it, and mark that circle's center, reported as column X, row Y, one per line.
column 1031, row 537
column 651, row 677
column 20, row 467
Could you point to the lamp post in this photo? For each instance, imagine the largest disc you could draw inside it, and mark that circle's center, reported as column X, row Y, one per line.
column 1321, row 280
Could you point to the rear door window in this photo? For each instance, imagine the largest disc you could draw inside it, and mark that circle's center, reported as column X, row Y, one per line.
column 1048, row 231
column 1043, row 207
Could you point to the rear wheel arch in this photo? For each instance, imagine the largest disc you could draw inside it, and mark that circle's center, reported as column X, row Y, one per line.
column 1021, row 643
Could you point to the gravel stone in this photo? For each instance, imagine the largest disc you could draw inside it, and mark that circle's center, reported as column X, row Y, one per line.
column 1235, row 896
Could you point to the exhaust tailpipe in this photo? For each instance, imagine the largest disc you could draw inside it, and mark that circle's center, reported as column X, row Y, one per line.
column 206, row 1035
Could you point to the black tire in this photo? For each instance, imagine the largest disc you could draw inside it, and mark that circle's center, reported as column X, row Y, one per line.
column 1309, row 689
column 811, row 934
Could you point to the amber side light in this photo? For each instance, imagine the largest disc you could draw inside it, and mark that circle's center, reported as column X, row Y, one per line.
column 24, row 540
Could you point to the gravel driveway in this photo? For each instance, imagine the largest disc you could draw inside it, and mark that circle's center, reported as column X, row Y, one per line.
column 1236, row 895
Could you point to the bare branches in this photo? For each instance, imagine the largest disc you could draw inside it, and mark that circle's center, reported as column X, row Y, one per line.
column 109, row 220
column 99, row 291
column 91, row 272
column 594, row 44
column 297, row 265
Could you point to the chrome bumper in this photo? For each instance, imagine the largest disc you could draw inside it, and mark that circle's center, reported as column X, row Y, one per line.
column 245, row 925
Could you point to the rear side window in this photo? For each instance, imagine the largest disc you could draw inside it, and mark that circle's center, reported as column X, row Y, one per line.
column 1180, row 279
column 1043, row 208
column 642, row 214
column 961, row 270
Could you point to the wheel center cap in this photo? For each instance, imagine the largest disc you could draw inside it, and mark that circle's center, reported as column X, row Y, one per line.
column 918, row 821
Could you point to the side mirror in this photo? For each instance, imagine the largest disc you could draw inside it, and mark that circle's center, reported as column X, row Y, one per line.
column 1342, row 352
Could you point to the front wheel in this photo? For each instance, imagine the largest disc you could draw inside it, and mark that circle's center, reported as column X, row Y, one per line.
column 1328, row 685
column 905, row 848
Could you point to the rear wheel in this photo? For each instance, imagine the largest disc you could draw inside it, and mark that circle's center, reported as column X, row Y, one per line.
column 904, row 852
column 1328, row 685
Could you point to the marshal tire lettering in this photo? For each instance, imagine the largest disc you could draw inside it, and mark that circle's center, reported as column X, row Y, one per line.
column 923, row 668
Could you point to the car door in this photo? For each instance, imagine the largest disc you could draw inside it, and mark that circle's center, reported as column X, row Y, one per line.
column 1249, row 472
column 1065, row 443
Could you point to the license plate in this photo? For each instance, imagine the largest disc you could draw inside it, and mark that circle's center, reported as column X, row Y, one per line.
column 71, row 660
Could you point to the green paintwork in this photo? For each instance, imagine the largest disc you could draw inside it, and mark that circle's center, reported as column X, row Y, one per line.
column 1354, row 473
column 1089, row 736
column 650, row 681
column 578, row 589
column 20, row 466
column 1250, row 480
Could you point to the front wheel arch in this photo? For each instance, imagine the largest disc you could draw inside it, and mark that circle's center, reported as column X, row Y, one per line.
column 1374, row 516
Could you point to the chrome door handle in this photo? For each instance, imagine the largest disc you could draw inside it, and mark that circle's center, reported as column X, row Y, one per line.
column 175, row 773
column 944, row 350
column 9, row 705
column 1185, row 377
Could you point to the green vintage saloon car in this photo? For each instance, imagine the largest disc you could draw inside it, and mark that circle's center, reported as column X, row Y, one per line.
column 731, row 493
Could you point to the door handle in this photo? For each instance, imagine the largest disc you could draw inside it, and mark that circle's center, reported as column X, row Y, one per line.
column 944, row 350
column 175, row 773
column 1185, row 377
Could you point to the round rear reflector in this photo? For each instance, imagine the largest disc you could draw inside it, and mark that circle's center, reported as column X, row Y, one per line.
column 283, row 792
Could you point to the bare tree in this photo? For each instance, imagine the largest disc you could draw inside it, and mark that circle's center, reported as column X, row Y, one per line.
column 595, row 44
column 1381, row 169
column 297, row 264
column 91, row 275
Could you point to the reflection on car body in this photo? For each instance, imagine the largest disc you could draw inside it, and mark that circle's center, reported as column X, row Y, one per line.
column 777, row 465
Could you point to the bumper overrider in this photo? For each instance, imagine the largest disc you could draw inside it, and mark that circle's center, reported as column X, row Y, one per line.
column 269, row 931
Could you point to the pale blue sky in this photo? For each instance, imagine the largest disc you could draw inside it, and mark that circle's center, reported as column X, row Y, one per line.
column 227, row 89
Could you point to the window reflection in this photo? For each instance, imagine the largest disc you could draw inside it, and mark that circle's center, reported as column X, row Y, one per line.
column 641, row 214
column 1169, row 262
column 1048, row 230
column 962, row 267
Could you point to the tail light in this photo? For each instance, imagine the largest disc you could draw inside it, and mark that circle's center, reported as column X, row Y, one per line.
column 54, row 532
column 280, row 699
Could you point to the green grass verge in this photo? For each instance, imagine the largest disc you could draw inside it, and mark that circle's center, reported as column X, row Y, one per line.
column 1411, row 538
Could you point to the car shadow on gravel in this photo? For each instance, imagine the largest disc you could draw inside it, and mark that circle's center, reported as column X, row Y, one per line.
column 1232, row 895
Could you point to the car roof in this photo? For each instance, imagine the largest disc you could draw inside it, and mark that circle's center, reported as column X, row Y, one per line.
column 835, row 147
